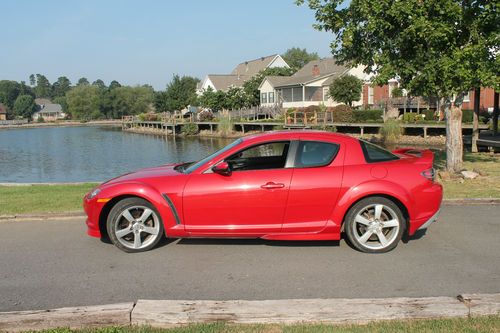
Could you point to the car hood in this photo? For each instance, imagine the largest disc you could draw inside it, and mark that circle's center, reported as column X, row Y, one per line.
column 145, row 174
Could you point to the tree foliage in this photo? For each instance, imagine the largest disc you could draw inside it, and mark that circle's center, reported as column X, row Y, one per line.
column 24, row 106
column 346, row 89
column 61, row 87
column 84, row 102
column 43, row 88
column 130, row 100
column 296, row 57
column 440, row 48
column 180, row 93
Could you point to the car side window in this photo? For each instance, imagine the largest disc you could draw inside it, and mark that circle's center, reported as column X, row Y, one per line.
column 315, row 154
column 270, row 155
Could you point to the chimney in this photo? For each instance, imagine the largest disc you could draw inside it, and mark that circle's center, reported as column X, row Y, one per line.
column 315, row 70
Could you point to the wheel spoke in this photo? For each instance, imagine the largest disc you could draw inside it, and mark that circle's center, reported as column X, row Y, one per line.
column 145, row 215
column 137, row 240
column 150, row 230
column 123, row 232
column 126, row 214
column 381, row 237
column 378, row 211
column 361, row 219
column 363, row 239
column 390, row 224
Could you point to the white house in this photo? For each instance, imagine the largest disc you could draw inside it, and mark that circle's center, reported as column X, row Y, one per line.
column 309, row 86
column 241, row 73
column 48, row 111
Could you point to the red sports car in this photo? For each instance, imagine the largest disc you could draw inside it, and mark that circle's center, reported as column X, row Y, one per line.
column 285, row 185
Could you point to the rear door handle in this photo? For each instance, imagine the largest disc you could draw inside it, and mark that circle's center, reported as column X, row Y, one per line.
column 272, row 185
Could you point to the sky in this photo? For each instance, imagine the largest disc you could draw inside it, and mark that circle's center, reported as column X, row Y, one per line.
column 147, row 41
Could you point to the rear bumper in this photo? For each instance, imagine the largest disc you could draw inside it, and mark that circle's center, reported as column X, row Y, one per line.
column 430, row 221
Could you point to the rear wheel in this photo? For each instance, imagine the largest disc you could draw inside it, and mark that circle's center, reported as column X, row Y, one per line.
column 134, row 225
column 374, row 225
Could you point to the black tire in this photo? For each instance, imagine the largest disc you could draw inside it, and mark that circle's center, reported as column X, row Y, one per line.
column 125, row 217
column 390, row 214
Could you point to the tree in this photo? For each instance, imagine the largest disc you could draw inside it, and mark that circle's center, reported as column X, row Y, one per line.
column 130, row 100
column 82, row 82
column 43, row 88
column 114, row 84
column 251, row 87
column 346, row 89
column 214, row 100
column 180, row 92
column 83, row 102
column 61, row 86
column 297, row 58
column 440, row 48
column 32, row 80
column 24, row 106
column 9, row 90
column 235, row 98
column 61, row 100
column 99, row 83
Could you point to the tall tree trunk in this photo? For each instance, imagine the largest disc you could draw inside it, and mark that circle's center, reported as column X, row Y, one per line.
column 496, row 112
column 454, row 143
column 475, row 119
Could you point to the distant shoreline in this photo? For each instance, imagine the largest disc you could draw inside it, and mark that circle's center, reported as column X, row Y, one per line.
column 114, row 123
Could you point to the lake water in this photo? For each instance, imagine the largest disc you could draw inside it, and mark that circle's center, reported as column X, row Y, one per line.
column 94, row 154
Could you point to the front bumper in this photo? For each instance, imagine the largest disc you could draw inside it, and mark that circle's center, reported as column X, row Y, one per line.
column 430, row 221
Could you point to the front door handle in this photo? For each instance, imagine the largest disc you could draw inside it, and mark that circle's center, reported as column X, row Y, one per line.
column 272, row 185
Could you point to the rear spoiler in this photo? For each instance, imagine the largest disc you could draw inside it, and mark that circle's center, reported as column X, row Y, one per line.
column 422, row 155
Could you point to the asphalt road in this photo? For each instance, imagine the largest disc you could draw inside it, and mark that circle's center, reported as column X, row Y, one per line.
column 50, row 264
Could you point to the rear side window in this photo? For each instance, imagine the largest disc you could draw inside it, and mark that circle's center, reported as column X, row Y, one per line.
column 315, row 154
column 375, row 153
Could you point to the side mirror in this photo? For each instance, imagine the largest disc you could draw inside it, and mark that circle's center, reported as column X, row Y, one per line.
column 223, row 168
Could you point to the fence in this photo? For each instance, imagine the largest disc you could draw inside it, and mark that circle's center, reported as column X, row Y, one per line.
column 14, row 122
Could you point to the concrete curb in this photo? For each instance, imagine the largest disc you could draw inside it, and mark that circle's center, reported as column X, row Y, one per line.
column 69, row 215
column 168, row 313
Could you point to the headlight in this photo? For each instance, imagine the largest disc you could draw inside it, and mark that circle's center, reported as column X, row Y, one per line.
column 93, row 193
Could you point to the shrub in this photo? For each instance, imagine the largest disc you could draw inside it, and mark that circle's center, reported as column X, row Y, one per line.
column 362, row 116
column 40, row 119
column 190, row 129
column 409, row 117
column 430, row 115
column 342, row 114
column 391, row 131
column 467, row 116
column 205, row 115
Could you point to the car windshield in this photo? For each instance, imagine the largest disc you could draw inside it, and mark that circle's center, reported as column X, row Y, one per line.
column 196, row 165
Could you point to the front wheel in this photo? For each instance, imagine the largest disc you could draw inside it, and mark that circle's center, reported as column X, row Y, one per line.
column 374, row 225
column 134, row 225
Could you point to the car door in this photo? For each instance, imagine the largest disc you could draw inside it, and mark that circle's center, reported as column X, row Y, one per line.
column 315, row 186
column 250, row 201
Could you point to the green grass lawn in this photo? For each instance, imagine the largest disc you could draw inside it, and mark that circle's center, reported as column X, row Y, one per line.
column 459, row 325
column 487, row 186
column 42, row 198
column 64, row 198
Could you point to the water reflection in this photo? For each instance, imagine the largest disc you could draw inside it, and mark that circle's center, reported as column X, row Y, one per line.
column 70, row 154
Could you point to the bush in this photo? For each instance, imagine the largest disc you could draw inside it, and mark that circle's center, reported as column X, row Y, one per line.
column 205, row 115
column 391, row 131
column 363, row 116
column 190, row 129
column 342, row 114
column 40, row 119
column 467, row 116
column 430, row 115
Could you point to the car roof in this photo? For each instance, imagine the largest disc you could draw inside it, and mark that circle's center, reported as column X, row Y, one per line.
column 296, row 134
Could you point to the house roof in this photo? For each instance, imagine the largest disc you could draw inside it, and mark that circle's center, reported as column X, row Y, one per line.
column 3, row 109
column 252, row 67
column 223, row 82
column 51, row 108
column 312, row 71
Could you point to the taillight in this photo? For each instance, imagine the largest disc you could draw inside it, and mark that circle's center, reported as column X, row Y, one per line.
column 430, row 174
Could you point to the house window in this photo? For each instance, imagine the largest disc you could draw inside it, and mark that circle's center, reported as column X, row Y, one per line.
column 297, row 95
column 467, row 97
column 263, row 98
column 271, row 97
column 326, row 94
column 370, row 95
